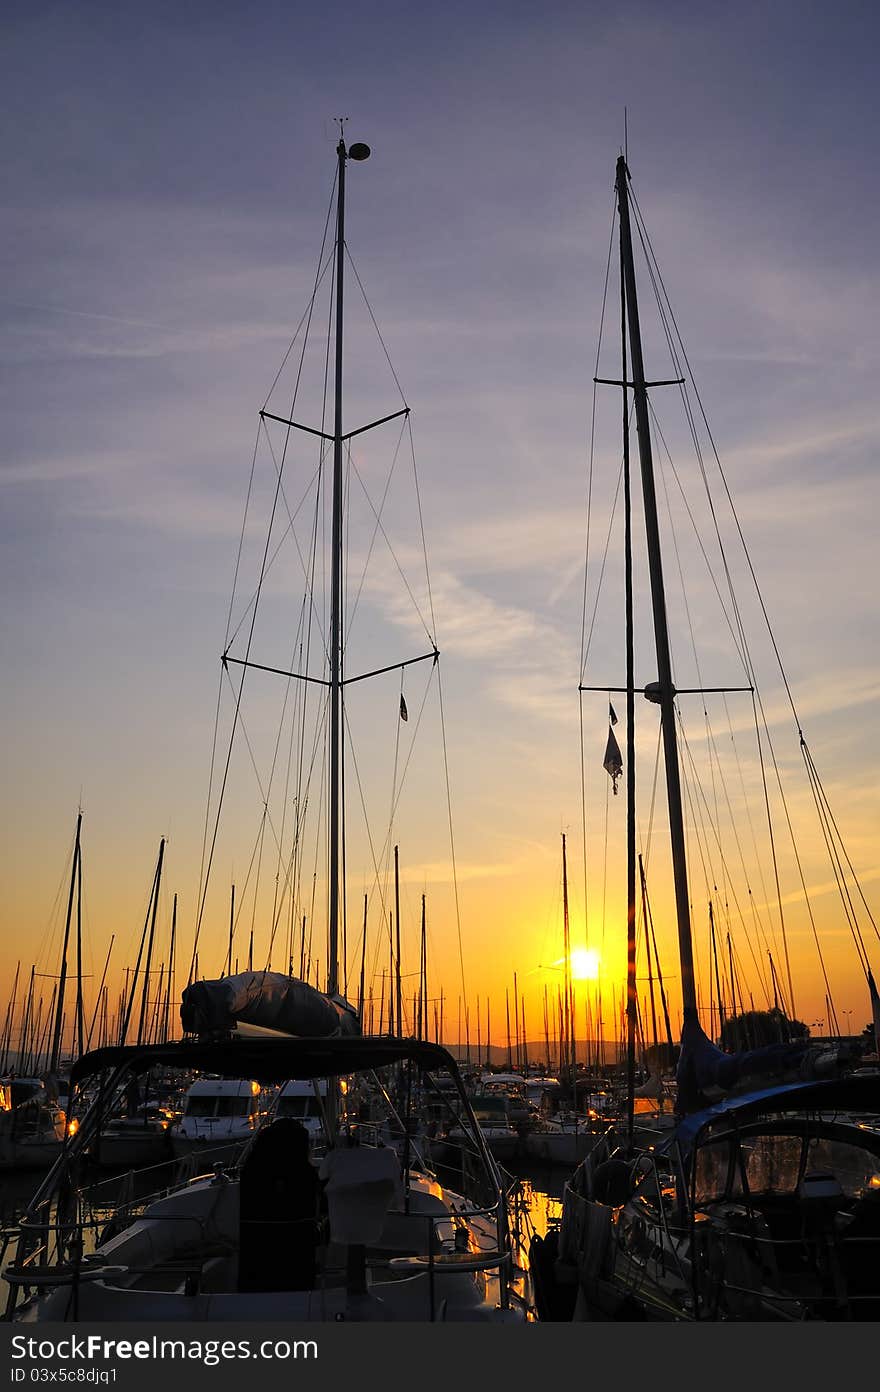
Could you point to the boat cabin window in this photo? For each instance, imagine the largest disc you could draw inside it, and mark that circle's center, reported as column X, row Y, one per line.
column 210, row 1106
column 776, row 1162
column 299, row 1107
column 200, row 1106
column 233, row 1106
column 491, row 1109
column 712, row 1168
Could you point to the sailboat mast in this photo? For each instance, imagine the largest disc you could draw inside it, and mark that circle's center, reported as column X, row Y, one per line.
column 566, row 949
column 399, row 983
column 142, row 1019
column 336, row 591
column 363, row 967
column 78, row 1017
column 59, row 1004
column 630, row 737
column 665, row 688
column 170, row 983
column 100, row 992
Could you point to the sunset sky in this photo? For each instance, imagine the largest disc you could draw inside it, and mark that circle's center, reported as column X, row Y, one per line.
column 168, row 174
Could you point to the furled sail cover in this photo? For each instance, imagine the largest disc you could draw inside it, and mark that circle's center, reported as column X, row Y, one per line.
column 268, row 999
column 705, row 1073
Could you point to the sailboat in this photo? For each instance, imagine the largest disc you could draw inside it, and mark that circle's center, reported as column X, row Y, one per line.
column 567, row 1137
column 389, row 1241
column 33, row 1119
column 763, row 1202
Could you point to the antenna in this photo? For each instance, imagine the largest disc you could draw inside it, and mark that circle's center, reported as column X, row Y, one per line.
column 625, row 139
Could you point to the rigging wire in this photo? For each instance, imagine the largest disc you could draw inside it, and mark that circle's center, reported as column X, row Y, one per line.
column 203, row 883
column 665, row 300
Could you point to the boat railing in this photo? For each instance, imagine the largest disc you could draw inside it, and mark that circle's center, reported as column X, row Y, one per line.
column 796, row 1274
column 35, row 1270
column 466, row 1256
column 124, row 1202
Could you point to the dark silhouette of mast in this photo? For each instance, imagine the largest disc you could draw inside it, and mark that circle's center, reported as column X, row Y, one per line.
column 717, row 975
column 155, row 908
column 79, row 1010
column 423, row 974
column 631, row 987
column 358, row 152
column 568, row 1027
column 363, row 967
column 398, row 983
column 100, row 992
column 62, row 978
column 664, row 691
column 170, row 986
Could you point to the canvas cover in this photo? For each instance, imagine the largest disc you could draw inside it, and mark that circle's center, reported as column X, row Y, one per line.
column 270, row 1000
column 705, row 1073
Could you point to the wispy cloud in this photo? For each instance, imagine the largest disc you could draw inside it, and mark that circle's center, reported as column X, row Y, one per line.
column 47, row 343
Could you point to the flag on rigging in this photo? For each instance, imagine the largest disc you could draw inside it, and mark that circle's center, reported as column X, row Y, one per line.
column 613, row 761
column 612, row 714
column 403, row 711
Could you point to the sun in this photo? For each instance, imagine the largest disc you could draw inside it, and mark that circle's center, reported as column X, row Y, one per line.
column 585, row 964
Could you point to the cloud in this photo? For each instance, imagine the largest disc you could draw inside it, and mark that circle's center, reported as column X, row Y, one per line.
column 37, row 343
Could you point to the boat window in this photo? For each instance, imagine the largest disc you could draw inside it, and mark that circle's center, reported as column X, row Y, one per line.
column 775, row 1164
column 232, row 1106
column 771, row 1164
column 298, row 1107
column 712, row 1164
column 857, row 1170
column 200, row 1106
column 290, row 1107
column 491, row 1109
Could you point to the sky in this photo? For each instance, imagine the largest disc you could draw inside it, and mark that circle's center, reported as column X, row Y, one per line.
column 168, row 174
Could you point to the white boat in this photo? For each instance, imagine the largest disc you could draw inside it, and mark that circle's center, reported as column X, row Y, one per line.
column 306, row 1102
column 394, row 1243
column 219, row 1116
column 492, row 1111
column 563, row 1140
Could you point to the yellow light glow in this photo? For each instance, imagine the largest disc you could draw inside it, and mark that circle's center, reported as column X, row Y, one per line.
column 585, row 964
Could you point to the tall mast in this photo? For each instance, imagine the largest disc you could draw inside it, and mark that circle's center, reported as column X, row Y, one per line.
column 62, row 979
column 630, row 739
column 78, row 1016
column 357, row 152
column 655, row 1039
column 399, row 983
column 363, row 968
column 665, row 690
column 423, row 980
column 142, row 1019
column 10, row 1016
column 170, row 985
column 566, row 966
column 100, row 992
column 336, row 592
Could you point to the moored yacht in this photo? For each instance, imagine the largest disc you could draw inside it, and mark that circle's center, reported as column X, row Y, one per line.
column 388, row 1241
column 32, row 1124
column 219, row 1115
